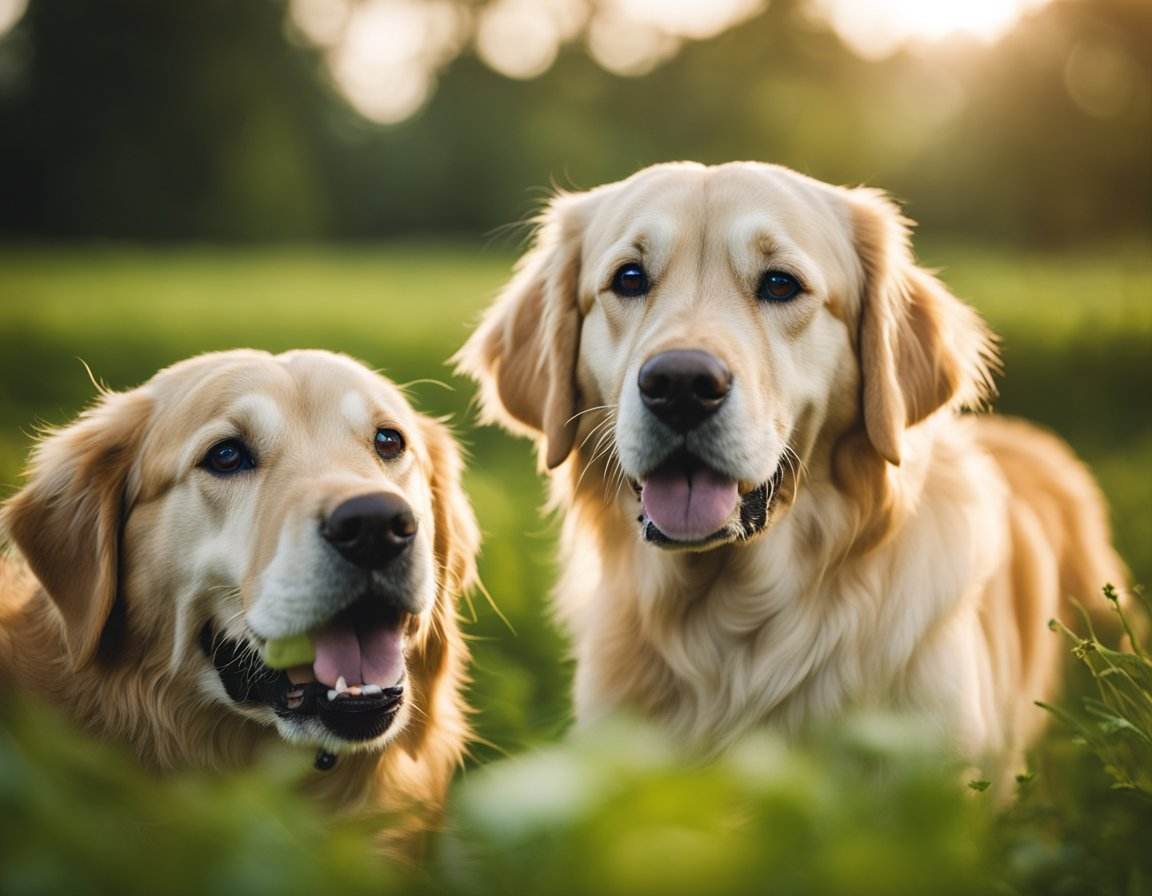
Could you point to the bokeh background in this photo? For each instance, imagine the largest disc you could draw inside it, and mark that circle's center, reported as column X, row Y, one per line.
column 355, row 175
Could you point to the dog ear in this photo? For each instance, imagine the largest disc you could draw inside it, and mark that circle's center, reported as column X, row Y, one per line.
column 920, row 347
column 457, row 538
column 66, row 521
column 524, row 352
column 439, row 663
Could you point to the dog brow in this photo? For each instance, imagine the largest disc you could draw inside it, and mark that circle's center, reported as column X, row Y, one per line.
column 262, row 414
column 355, row 410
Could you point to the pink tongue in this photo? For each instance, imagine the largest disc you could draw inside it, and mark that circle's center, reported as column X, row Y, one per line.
column 689, row 506
column 373, row 655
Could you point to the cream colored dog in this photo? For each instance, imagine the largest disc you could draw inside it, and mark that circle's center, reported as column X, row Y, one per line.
column 236, row 498
column 748, row 396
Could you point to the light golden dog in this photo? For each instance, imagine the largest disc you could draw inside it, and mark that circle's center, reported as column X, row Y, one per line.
column 748, row 396
column 164, row 537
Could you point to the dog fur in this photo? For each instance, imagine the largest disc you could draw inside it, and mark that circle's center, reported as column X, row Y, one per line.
column 887, row 552
column 133, row 565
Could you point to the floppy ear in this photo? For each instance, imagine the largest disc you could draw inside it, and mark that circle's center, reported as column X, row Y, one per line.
column 66, row 521
column 920, row 347
column 524, row 352
column 457, row 538
column 439, row 664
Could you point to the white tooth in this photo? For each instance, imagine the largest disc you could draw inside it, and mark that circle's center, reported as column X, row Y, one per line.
column 341, row 684
column 332, row 695
column 372, row 690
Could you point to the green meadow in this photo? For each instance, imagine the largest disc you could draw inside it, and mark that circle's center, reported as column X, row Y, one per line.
column 615, row 810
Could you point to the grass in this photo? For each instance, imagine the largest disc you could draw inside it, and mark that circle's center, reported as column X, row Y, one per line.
column 1052, row 300
column 126, row 312
column 616, row 811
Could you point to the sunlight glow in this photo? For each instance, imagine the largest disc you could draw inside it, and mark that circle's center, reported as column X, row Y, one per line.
column 11, row 12
column 521, row 38
column 625, row 46
column 876, row 29
column 386, row 55
column 690, row 18
column 1103, row 79
column 632, row 37
column 322, row 21
column 390, row 51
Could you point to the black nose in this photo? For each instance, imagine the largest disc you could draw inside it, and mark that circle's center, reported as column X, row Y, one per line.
column 683, row 387
column 371, row 530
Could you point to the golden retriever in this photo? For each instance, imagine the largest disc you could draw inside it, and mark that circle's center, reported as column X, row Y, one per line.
column 234, row 499
column 747, row 394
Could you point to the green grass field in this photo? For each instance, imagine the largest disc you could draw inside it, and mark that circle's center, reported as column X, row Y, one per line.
column 614, row 812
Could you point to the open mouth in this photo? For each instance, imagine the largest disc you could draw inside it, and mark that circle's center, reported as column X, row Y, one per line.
column 354, row 686
column 686, row 503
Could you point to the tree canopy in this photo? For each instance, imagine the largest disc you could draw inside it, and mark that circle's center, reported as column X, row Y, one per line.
column 131, row 119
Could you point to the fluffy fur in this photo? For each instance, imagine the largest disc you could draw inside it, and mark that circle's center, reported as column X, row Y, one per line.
column 133, row 565
column 908, row 557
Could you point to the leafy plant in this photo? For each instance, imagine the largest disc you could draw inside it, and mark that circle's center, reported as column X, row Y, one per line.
column 1117, row 724
column 1081, row 822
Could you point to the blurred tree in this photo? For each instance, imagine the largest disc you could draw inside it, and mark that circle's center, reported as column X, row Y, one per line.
column 162, row 120
column 130, row 118
column 1031, row 160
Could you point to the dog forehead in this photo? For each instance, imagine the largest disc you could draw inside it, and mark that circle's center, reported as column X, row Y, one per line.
column 268, row 396
column 360, row 396
column 739, row 206
column 280, row 406
column 646, row 207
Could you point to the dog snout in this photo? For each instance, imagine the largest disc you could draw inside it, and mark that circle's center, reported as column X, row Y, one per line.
column 372, row 530
column 683, row 387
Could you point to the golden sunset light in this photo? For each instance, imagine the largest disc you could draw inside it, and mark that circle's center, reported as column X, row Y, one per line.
column 877, row 28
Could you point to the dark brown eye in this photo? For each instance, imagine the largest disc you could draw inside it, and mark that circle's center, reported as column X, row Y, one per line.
column 630, row 281
column 390, row 444
column 777, row 286
column 227, row 457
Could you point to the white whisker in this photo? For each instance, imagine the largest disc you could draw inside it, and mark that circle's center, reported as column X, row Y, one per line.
column 604, row 448
column 611, row 409
column 600, row 428
column 796, row 465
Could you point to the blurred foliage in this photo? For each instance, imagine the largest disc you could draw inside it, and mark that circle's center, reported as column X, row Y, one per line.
column 619, row 809
column 159, row 120
column 144, row 120
column 616, row 810
column 78, row 817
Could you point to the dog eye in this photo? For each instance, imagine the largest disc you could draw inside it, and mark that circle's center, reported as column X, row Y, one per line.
column 777, row 286
column 229, row 456
column 390, row 444
column 630, row 281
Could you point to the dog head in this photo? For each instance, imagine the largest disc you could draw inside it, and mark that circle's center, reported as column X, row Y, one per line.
column 710, row 330
column 240, row 498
